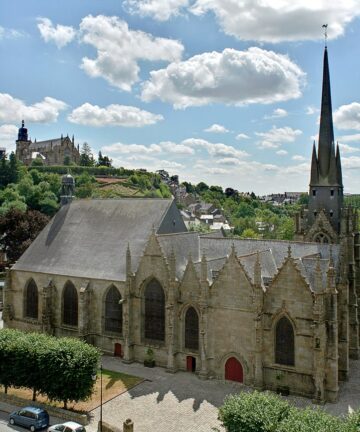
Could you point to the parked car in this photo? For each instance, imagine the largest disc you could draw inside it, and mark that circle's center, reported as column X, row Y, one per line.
column 67, row 427
column 30, row 417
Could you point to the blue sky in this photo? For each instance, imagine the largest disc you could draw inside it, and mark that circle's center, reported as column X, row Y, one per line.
column 221, row 91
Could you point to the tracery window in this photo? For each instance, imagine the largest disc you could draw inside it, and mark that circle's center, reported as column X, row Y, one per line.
column 284, row 343
column 70, row 305
column 154, row 312
column 32, row 300
column 113, row 311
column 321, row 238
column 191, row 329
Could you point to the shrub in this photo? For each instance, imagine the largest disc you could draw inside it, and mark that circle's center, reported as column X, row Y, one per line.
column 253, row 412
column 311, row 420
column 353, row 422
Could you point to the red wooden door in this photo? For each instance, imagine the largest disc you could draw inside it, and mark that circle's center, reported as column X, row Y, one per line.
column 190, row 363
column 117, row 350
column 234, row 370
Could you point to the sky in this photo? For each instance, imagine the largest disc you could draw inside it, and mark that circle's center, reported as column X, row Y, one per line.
column 222, row 91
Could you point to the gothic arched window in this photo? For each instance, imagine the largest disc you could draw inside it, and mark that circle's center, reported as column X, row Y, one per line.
column 191, row 329
column 113, row 311
column 154, row 311
column 70, row 305
column 284, row 343
column 321, row 238
column 31, row 300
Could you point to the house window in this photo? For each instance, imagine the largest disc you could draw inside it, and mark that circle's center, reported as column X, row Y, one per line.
column 31, row 300
column 191, row 329
column 284, row 343
column 154, row 312
column 314, row 192
column 331, row 213
column 332, row 192
column 70, row 302
column 113, row 311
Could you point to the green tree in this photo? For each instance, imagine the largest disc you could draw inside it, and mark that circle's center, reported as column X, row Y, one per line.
column 86, row 156
column 104, row 160
column 18, row 230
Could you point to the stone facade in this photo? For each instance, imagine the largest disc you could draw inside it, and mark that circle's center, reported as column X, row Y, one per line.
column 50, row 152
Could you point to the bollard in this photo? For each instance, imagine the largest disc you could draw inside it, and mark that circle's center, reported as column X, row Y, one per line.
column 128, row 426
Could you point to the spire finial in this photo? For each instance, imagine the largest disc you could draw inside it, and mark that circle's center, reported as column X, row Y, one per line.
column 325, row 26
column 22, row 123
column 289, row 252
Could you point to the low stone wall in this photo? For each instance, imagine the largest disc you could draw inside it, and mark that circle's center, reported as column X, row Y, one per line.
column 56, row 412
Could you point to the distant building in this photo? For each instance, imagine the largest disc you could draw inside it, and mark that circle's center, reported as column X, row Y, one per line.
column 50, row 152
column 2, row 152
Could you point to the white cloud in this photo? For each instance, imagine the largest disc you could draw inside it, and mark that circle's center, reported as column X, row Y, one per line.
column 275, row 137
column 349, row 138
column 215, row 149
column 8, row 33
column 310, row 110
column 113, row 115
column 241, row 136
column 46, row 111
column 277, row 113
column 162, row 147
column 171, row 147
column 216, row 128
column 345, row 149
column 352, row 162
column 228, row 161
column 160, row 10
column 298, row 158
column 282, row 152
column 61, row 35
column 279, row 20
column 119, row 50
column 216, row 171
column 8, row 135
column 231, row 77
column 121, row 148
column 348, row 116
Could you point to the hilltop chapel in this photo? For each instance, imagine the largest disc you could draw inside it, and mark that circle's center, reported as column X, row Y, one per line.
column 125, row 275
column 50, row 152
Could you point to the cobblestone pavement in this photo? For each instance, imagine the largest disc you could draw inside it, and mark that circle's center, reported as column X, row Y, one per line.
column 182, row 402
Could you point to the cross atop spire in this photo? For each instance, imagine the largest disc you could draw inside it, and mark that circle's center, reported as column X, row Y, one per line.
column 325, row 26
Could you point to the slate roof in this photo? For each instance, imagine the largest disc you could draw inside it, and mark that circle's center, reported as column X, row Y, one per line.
column 88, row 238
column 45, row 144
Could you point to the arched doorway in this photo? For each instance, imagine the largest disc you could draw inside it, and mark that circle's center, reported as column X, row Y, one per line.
column 234, row 370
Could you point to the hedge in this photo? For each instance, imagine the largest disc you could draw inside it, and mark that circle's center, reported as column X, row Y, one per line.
column 267, row 412
column 60, row 368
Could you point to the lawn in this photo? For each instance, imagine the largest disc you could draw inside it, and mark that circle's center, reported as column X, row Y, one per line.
column 113, row 384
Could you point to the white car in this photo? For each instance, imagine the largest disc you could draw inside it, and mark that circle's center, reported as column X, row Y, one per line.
column 67, row 427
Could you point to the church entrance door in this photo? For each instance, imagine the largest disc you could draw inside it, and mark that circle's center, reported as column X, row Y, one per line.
column 118, row 350
column 234, row 370
column 190, row 364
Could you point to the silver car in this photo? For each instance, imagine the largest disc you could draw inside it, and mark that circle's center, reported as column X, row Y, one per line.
column 67, row 427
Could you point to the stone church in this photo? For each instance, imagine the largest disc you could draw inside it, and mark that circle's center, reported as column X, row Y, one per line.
column 50, row 152
column 125, row 275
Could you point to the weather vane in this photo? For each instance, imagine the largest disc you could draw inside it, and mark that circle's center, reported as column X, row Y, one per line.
column 325, row 26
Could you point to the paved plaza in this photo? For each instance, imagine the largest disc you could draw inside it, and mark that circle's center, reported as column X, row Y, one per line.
column 182, row 402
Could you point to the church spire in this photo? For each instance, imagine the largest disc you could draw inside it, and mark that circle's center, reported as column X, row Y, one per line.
column 314, row 177
column 326, row 150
